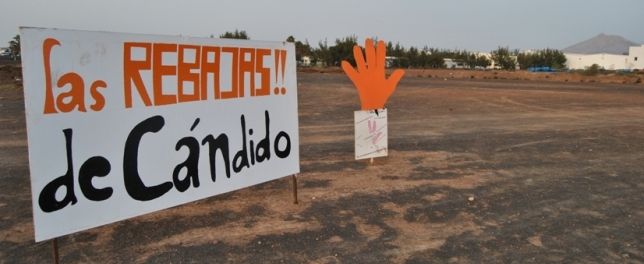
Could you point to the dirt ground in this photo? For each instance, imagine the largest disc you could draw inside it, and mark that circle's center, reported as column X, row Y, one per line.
column 479, row 171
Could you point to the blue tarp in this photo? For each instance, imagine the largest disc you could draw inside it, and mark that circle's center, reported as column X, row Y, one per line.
column 540, row 69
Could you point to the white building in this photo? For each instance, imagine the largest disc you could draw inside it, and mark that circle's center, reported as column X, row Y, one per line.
column 306, row 61
column 606, row 61
column 453, row 64
column 636, row 57
column 634, row 60
column 488, row 56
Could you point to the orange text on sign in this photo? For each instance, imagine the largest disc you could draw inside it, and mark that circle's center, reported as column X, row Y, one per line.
column 74, row 99
column 204, row 66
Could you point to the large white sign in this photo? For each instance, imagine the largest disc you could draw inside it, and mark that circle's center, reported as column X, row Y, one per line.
column 121, row 125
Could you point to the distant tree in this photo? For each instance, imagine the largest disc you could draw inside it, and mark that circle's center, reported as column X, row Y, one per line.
column 399, row 50
column 237, row 34
column 592, row 70
column 403, row 57
column 482, row 61
column 552, row 58
column 435, row 58
column 525, row 60
column 307, row 50
column 558, row 59
column 469, row 60
column 413, row 57
column 503, row 58
column 14, row 47
column 436, row 61
column 301, row 49
column 343, row 50
column 323, row 53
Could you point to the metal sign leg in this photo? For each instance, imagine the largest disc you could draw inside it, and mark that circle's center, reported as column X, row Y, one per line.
column 54, row 244
column 294, row 177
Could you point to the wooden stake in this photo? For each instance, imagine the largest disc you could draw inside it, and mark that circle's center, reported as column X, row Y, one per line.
column 54, row 244
column 371, row 161
column 294, row 177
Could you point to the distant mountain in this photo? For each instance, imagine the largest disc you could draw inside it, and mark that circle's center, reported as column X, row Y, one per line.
column 602, row 43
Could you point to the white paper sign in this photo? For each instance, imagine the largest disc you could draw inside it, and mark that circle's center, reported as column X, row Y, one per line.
column 370, row 133
column 120, row 125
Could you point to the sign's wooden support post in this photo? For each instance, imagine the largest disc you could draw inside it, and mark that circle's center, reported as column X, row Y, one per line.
column 54, row 244
column 294, row 177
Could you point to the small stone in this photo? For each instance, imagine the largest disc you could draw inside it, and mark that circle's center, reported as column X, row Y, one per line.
column 259, row 242
column 471, row 199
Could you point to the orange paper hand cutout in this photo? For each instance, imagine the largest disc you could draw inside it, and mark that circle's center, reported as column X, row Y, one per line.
column 369, row 78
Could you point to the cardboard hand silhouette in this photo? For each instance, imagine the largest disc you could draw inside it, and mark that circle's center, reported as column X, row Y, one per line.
column 373, row 87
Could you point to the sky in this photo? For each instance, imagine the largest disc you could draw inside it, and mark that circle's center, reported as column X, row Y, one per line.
column 476, row 25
